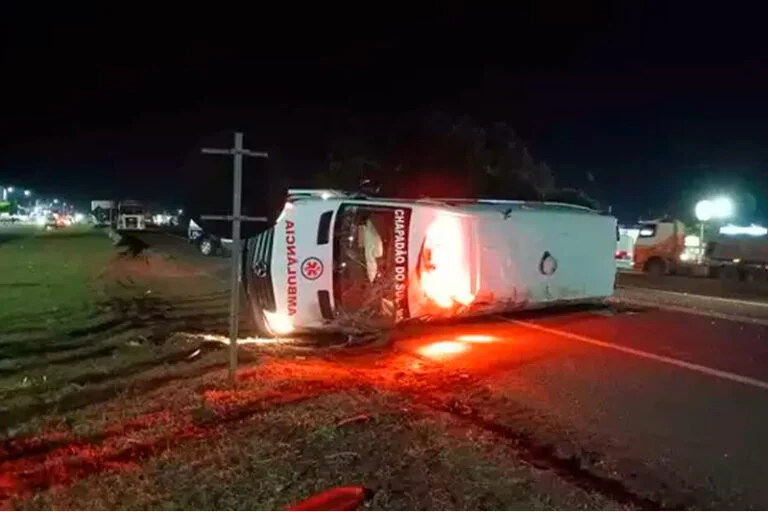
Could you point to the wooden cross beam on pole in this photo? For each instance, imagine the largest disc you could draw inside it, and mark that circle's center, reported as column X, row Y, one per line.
column 236, row 279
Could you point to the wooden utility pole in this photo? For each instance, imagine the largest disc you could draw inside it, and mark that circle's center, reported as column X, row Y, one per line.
column 236, row 278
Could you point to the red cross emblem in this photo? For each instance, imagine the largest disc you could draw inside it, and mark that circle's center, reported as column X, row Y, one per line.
column 312, row 268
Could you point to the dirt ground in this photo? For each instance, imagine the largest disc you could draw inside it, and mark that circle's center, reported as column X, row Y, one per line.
column 138, row 415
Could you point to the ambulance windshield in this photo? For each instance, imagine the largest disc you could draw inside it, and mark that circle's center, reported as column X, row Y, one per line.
column 364, row 261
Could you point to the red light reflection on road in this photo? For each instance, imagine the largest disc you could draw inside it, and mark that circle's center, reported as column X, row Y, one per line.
column 476, row 338
column 444, row 349
column 441, row 349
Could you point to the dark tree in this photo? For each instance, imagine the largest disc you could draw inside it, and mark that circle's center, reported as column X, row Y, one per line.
column 439, row 155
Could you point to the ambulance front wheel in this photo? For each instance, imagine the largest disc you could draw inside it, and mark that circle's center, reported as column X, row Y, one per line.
column 257, row 321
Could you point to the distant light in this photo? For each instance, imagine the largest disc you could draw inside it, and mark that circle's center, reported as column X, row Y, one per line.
column 180, row 211
column 692, row 241
column 723, row 207
column 705, row 210
column 27, row 192
column 753, row 230
column 79, row 217
column 10, row 190
column 55, row 201
column 720, row 208
column 326, row 195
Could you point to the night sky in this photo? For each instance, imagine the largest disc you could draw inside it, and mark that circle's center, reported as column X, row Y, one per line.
column 659, row 102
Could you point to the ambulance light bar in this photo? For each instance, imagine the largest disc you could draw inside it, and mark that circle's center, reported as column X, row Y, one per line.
column 318, row 193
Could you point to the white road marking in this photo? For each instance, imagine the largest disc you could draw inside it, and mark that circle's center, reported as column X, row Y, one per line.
column 712, row 372
column 698, row 297
column 691, row 310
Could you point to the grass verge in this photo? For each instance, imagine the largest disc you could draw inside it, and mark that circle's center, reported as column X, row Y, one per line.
column 47, row 281
column 134, row 415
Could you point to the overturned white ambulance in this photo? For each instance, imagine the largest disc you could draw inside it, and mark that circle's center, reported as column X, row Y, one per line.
column 335, row 261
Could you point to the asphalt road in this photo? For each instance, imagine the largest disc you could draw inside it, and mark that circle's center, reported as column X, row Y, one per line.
column 661, row 397
column 727, row 288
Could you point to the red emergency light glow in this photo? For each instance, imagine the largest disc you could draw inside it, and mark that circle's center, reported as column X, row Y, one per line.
column 476, row 338
column 442, row 348
column 444, row 271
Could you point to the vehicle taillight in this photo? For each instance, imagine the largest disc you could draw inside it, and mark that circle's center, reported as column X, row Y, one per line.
column 444, row 269
column 621, row 255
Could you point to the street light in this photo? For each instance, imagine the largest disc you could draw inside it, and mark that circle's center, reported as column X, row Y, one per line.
column 707, row 209
column 55, row 201
column 10, row 190
column 723, row 207
column 27, row 193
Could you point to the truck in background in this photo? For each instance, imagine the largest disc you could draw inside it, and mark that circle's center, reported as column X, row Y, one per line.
column 662, row 247
column 659, row 245
column 130, row 216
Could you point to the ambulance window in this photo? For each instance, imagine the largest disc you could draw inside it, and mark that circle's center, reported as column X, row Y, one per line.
column 364, row 262
column 324, row 228
column 647, row 231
